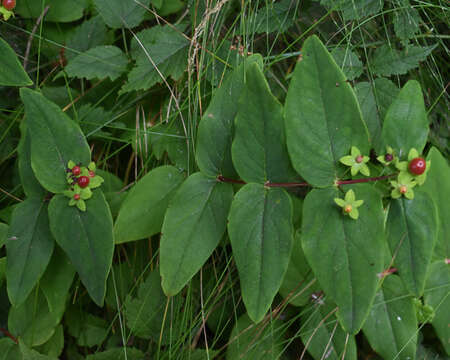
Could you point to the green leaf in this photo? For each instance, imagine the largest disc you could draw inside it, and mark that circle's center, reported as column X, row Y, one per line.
column 406, row 20
column 30, row 354
column 322, row 333
column 87, row 239
column 32, row 321
column 374, row 99
column 3, row 234
column 274, row 17
column 411, row 230
column 348, row 61
column 261, row 234
column 299, row 282
column 391, row 326
column 388, row 61
column 406, row 124
column 345, row 253
column 142, row 212
column 160, row 50
column 11, row 71
column 55, row 140
column 29, row 248
column 120, row 353
column 193, row 226
column 437, row 186
column 322, row 116
column 354, row 10
column 55, row 345
column 144, row 314
column 119, row 13
column 89, row 34
column 98, row 63
column 9, row 350
column 259, row 152
column 31, row 186
column 215, row 132
column 89, row 330
column 251, row 341
column 437, row 295
column 59, row 10
column 57, row 279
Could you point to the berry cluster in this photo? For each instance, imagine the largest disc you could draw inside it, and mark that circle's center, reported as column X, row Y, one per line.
column 6, row 8
column 81, row 181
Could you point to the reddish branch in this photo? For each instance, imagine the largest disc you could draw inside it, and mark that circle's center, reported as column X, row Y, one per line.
column 8, row 334
column 299, row 184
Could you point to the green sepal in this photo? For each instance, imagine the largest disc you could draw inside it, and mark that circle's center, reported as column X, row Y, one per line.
column 413, row 153
column 354, row 214
column 350, row 160
column 347, row 160
column 6, row 13
column 350, row 199
column 92, row 166
column 72, row 202
column 404, row 179
column 96, row 181
column 84, row 171
column 71, row 164
column 424, row 313
column 81, row 205
column 85, row 193
column 390, row 151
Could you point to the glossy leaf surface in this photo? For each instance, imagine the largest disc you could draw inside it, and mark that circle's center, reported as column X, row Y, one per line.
column 11, row 71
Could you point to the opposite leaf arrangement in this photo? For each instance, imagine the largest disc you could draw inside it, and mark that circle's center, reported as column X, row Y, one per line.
column 251, row 152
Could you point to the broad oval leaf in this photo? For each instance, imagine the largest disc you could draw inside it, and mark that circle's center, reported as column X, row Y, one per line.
column 322, row 335
column 122, row 13
column 406, row 125
column 259, row 150
column 215, row 131
column 98, row 63
column 29, row 248
column 345, row 253
column 59, row 10
column 261, row 235
column 142, row 212
column 437, row 295
column 87, row 239
column 193, row 226
column 437, row 186
column 55, row 139
column 391, row 326
column 411, row 229
column 11, row 71
column 322, row 115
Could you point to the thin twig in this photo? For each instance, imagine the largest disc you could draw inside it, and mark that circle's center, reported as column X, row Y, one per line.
column 30, row 39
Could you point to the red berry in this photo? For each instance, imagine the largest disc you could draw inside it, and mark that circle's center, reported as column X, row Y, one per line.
column 91, row 173
column 83, row 181
column 76, row 170
column 9, row 4
column 417, row 166
column 403, row 189
column 76, row 196
column 348, row 209
column 359, row 159
column 388, row 157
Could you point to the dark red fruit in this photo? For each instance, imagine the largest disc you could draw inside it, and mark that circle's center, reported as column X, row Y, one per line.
column 83, row 181
column 359, row 159
column 76, row 170
column 388, row 157
column 9, row 4
column 91, row 173
column 76, row 196
column 417, row 166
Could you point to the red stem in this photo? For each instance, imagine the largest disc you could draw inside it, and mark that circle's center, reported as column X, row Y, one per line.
column 8, row 334
column 299, row 184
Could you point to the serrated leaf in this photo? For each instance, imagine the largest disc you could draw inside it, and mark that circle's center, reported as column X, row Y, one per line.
column 122, row 13
column 29, row 248
column 194, row 223
column 406, row 20
column 11, row 71
column 251, row 341
column 411, row 230
column 437, row 186
column 374, row 100
column 345, row 253
column 88, row 329
column 391, row 326
column 258, row 151
column 32, row 321
column 119, row 353
column 261, row 234
column 59, row 10
column 162, row 48
column 388, row 61
column 348, row 61
column 406, row 125
column 87, row 239
column 322, row 117
column 354, row 9
column 273, row 17
column 98, row 63
column 299, row 282
column 93, row 120
column 215, row 131
column 323, row 334
column 55, row 140
column 89, row 34
column 437, row 295
column 142, row 212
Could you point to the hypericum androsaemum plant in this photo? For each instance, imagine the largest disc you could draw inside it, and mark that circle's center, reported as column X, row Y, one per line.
column 359, row 241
